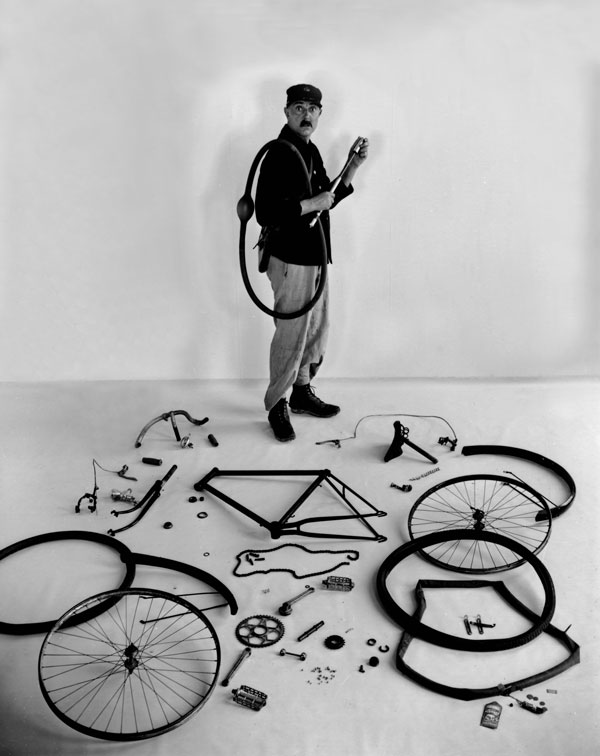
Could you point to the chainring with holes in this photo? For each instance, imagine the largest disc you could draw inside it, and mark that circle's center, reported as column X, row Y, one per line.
column 259, row 631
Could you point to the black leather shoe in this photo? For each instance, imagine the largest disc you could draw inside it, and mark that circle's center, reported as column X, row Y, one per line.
column 279, row 420
column 304, row 399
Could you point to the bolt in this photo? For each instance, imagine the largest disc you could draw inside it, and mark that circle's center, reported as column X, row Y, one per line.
column 310, row 630
column 301, row 656
column 286, row 607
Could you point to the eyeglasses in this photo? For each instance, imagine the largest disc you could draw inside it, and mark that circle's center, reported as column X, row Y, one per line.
column 298, row 109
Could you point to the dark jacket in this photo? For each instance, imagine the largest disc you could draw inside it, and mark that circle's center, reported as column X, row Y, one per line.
column 282, row 183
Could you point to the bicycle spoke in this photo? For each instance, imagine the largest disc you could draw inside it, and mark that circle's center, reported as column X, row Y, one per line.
column 138, row 669
column 480, row 502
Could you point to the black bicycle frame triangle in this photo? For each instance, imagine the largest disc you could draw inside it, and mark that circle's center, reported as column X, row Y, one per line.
column 283, row 526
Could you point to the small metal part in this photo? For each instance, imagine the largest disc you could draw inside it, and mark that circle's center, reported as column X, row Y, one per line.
column 250, row 697
column 186, row 443
column 202, row 515
column 286, row 608
column 373, row 661
column 334, row 441
column 91, row 497
column 122, row 471
column 447, row 441
column 371, row 642
column 480, row 625
column 334, row 642
column 467, row 625
column 384, row 649
column 405, row 488
column 167, row 525
column 212, row 439
column 310, row 631
column 238, row 663
column 127, row 496
column 337, row 583
column 491, row 715
column 529, row 705
column 301, row 656
column 551, row 690
column 206, row 553
column 151, row 461
column 192, row 499
column 425, row 474
column 361, row 668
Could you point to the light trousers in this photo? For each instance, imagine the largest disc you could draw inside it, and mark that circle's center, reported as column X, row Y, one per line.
column 298, row 345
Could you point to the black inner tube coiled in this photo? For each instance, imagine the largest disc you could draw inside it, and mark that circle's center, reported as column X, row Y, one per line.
column 245, row 211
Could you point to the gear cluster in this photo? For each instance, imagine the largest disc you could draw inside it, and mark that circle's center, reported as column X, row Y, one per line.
column 334, row 642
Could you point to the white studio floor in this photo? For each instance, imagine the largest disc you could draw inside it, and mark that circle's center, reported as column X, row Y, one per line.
column 51, row 433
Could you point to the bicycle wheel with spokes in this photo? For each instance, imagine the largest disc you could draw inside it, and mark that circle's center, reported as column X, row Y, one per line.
column 492, row 503
column 137, row 670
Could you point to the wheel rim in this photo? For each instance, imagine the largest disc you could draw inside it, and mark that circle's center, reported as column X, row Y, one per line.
column 484, row 503
column 138, row 669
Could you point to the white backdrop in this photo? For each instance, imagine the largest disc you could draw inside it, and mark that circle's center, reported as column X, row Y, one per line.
column 127, row 129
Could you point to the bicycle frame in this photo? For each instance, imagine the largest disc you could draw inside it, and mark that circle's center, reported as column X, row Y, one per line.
column 283, row 526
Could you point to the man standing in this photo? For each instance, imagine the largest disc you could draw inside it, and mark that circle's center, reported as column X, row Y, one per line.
column 289, row 197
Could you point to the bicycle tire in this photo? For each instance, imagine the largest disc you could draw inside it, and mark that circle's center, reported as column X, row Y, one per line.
column 420, row 630
column 500, row 689
column 25, row 628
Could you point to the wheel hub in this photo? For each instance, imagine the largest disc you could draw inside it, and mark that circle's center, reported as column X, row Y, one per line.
column 131, row 658
column 478, row 518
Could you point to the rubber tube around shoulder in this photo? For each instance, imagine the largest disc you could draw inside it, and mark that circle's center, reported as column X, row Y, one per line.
column 245, row 211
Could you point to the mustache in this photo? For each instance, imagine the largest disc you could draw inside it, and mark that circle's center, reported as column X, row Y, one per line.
column 305, row 122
